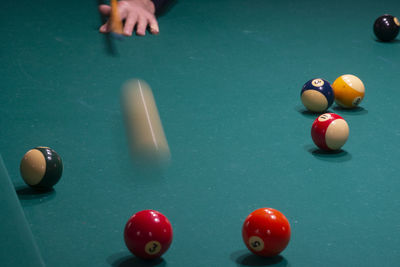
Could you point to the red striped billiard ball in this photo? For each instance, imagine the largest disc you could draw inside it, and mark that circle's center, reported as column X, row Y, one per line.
column 266, row 232
column 329, row 131
column 148, row 234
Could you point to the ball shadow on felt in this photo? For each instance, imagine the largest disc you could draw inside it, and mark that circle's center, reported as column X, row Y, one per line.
column 32, row 196
column 350, row 111
column 246, row 258
column 340, row 155
column 128, row 260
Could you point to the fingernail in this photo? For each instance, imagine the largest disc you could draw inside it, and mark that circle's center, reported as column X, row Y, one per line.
column 154, row 30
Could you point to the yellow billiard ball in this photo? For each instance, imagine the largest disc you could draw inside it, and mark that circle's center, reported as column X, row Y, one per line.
column 349, row 91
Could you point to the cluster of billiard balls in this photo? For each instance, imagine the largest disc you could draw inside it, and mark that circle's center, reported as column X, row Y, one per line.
column 148, row 233
column 330, row 131
column 318, row 94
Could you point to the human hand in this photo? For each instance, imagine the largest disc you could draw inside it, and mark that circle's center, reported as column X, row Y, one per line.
column 139, row 13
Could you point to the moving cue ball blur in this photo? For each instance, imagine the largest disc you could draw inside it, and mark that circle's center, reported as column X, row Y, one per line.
column 266, row 232
column 329, row 132
column 148, row 234
column 317, row 95
column 386, row 28
column 349, row 91
column 41, row 168
column 146, row 134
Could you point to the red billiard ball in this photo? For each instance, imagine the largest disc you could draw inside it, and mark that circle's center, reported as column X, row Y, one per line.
column 148, row 234
column 266, row 232
column 329, row 131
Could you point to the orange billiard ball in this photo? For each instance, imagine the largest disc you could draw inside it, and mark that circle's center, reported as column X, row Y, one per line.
column 266, row 232
column 148, row 234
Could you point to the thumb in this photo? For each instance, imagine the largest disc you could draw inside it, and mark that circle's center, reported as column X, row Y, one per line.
column 105, row 10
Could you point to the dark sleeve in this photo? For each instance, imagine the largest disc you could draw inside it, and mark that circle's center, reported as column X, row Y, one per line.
column 160, row 5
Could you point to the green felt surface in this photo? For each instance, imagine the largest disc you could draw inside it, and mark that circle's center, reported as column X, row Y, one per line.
column 226, row 76
column 17, row 245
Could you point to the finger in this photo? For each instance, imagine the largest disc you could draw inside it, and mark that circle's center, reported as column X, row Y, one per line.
column 123, row 9
column 129, row 24
column 141, row 26
column 106, row 27
column 153, row 25
column 105, row 10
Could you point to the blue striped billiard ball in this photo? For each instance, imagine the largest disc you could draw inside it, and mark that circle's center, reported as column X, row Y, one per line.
column 317, row 95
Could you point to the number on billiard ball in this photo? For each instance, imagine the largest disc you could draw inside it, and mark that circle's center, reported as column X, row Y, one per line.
column 266, row 232
column 153, row 247
column 386, row 28
column 329, row 131
column 256, row 243
column 148, row 234
column 317, row 95
column 41, row 168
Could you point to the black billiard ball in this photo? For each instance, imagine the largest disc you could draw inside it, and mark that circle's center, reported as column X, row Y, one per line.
column 386, row 28
column 41, row 168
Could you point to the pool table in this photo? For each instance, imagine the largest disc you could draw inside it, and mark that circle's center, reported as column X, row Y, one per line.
column 226, row 76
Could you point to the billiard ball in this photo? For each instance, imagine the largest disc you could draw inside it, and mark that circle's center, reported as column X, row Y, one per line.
column 349, row 91
column 386, row 28
column 317, row 95
column 329, row 132
column 41, row 168
column 148, row 142
column 266, row 232
column 148, row 234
